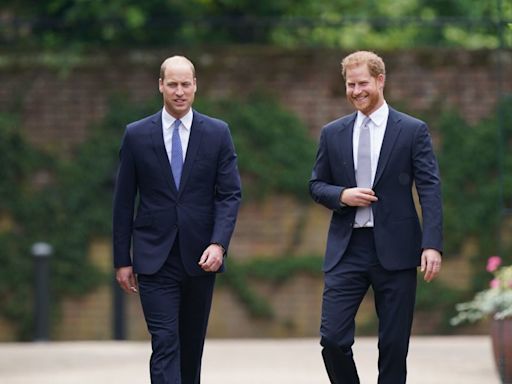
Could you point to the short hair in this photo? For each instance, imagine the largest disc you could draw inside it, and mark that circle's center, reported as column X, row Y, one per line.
column 372, row 60
column 176, row 58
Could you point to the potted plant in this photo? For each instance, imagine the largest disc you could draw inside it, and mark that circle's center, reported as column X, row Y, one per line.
column 495, row 301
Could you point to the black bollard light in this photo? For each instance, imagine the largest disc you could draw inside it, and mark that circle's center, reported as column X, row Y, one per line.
column 41, row 252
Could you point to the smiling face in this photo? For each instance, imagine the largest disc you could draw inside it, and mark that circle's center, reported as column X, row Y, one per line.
column 364, row 91
column 178, row 86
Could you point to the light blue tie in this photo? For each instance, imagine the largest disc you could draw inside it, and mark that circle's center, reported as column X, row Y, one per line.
column 364, row 170
column 176, row 154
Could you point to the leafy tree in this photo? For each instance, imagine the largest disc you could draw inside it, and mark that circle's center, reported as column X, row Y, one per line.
column 390, row 24
column 337, row 23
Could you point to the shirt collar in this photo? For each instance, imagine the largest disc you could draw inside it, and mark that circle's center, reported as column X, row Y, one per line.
column 377, row 117
column 168, row 120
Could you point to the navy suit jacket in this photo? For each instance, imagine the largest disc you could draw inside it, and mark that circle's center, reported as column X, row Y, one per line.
column 406, row 157
column 201, row 212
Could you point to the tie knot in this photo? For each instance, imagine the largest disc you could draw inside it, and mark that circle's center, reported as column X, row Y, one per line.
column 366, row 122
column 177, row 123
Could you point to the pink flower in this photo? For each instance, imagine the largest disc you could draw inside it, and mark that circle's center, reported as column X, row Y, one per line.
column 495, row 283
column 493, row 263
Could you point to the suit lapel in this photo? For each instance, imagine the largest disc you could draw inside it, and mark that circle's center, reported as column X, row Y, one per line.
column 345, row 141
column 196, row 134
column 393, row 129
column 157, row 137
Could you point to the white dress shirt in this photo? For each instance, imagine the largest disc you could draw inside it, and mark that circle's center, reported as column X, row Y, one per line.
column 168, row 126
column 377, row 126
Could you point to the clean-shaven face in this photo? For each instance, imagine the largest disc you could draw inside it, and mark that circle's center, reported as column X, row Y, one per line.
column 178, row 88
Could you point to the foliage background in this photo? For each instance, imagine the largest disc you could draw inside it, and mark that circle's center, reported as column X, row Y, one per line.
column 387, row 24
column 75, row 190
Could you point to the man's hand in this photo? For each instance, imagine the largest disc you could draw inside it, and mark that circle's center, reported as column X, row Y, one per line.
column 212, row 258
column 358, row 197
column 127, row 280
column 430, row 263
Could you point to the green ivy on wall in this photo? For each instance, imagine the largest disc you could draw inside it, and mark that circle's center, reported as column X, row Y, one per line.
column 468, row 158
column 63, row 202
column 275, row 150
column 274, row 270
column 67, row 202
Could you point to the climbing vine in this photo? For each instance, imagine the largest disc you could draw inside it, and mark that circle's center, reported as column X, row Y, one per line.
column 67, row 202
column 471, row 178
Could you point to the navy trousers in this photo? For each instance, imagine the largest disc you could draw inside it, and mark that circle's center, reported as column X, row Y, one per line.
column 176, row 308
column 345, row 287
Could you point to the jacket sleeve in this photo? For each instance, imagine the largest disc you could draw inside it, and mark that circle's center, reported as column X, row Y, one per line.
column 228, row 193
column 123, row 204
column 321, row 186
column 428, row 185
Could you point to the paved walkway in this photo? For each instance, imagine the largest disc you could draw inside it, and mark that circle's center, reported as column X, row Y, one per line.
column 432, row 360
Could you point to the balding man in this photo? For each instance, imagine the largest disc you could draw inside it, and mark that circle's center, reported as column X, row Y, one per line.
column 179, row 167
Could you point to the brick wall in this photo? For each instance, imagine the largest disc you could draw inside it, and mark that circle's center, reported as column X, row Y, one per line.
column 59, row 106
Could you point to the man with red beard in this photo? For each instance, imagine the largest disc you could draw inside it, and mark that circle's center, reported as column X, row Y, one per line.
column 366, row 165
